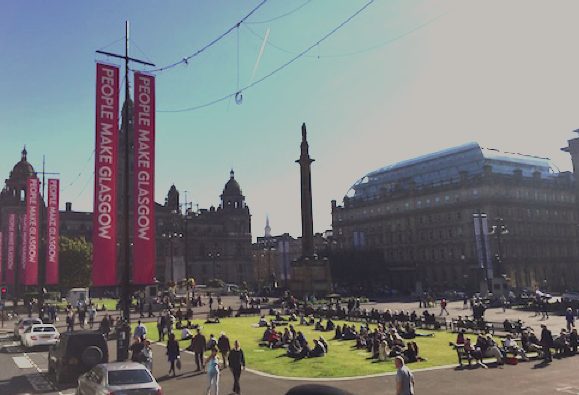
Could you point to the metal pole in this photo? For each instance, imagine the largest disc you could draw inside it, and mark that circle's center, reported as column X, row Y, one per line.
column 186, row 256
column 484, row 251
column 125, row 282
column 171, row 251
column 42, row 271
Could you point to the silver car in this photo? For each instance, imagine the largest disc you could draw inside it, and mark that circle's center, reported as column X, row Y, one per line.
column 126, row 378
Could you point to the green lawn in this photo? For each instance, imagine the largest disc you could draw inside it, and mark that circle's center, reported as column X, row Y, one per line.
column 111, row 304
column 342, row 360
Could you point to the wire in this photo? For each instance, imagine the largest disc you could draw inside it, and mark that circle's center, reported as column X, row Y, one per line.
column 352, row 53
column 114, row 42
column 283, row 66
column 213, row 42
column 80, row 173
column 84, row 187
column 281, row 16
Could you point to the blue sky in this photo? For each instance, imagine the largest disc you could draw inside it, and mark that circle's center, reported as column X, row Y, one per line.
column 405, row 77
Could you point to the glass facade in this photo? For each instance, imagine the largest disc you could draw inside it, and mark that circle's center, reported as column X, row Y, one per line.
column 444, row 167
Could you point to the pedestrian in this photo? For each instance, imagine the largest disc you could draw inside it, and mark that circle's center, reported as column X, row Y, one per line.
column 236, row 363
column 140, row 331
column 141, row 308
column 148, row 356
column 224, row 347
column 161, row 325
column 546, row 343
column 443, row 307
column 404, row 378
column 173, row 353
column 91, row 316
column 465, row 302
column 198, row 344
column 151, row 310
column 137, row 350
column 70, row 321
column 211, row 303
column 212, row 362
column 570, row 318
column 105, row 327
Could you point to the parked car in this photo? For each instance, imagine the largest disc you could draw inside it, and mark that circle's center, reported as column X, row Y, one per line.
column 40, row 335
column 76, row 353
column 118, row 378
column 24, row 323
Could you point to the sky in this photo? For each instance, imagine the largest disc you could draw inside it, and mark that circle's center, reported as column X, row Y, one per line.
column 401, row 79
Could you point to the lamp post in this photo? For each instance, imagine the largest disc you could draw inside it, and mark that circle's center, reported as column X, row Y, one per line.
column 499, row 229
column 171, row 236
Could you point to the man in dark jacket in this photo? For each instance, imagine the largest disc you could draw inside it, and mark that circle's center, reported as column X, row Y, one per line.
column 224, row 346
column 198, row 344
column 236, row 362
column 546, row 343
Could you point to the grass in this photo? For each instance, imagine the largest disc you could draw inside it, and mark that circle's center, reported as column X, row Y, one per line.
column 110, row 304
column 343, row 360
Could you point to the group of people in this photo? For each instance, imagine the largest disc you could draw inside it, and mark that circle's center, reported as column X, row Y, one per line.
column 384, row 341
column 84, row 313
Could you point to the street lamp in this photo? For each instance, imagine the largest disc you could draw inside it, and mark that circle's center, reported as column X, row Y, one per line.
column 498, row 230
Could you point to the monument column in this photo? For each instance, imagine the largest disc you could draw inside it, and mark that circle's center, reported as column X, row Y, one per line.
column 306, row 193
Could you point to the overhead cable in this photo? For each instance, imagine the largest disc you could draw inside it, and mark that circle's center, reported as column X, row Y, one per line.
column 207, row 46
column 283, row 66
column 280, row 16
column 351, row 53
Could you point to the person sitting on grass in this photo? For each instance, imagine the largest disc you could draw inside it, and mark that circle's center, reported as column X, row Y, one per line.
column 293, row 317
column 324, row 343
column 330, row 325
column 294, row 349
column 185, row 334
column 278, row 316
column 212, row 320
column 274, row 340
column 319, row 326
column 312, row 321
column 338, row 332
column 512, row 346
column 303, row 320
column 287, row 336
column 318, row 350
column 262, row 322
column 349, row 333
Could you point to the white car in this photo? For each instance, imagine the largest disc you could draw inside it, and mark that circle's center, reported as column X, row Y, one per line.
column 23, row 324
column 40, row 335
column 118, row 378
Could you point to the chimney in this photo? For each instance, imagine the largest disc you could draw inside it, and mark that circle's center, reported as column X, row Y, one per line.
column 68, row 206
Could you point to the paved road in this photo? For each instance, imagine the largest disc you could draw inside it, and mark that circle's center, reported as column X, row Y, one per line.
column 25, row 372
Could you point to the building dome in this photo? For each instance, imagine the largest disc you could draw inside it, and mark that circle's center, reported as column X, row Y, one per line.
column 232, row 187
column 22, row 170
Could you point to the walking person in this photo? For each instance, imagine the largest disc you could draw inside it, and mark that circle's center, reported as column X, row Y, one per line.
column 443, row 304
column 198, row 344
column 148, row 356
column 236, row 363
column 173, row 353
column 546, row 343
column 212, row 363
column 570, row 318
column 224, row 347
column 404, row 378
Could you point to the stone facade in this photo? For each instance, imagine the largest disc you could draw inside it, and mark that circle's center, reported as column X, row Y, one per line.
column 412, row 224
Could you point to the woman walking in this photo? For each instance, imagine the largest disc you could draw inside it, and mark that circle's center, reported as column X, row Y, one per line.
column 236, row 363
column 212, row 363
column 173, row 352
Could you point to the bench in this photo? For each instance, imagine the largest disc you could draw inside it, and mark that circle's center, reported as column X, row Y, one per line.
column 248, row 311
column 473, row 326
column 438, row 323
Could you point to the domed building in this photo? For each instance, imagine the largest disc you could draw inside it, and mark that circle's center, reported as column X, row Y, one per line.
column 14, row 191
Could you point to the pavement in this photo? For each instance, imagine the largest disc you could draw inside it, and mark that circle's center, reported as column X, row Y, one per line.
column 24, row 372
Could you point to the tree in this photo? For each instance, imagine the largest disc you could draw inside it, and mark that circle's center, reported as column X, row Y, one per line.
column 75, row 262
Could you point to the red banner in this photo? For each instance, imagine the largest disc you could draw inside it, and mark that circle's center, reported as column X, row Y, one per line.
column 32, row 218
column 104, row 263
column 52, row 232
column 10, row 249
column 144, row 255
column 23, row 248
column 1, row 256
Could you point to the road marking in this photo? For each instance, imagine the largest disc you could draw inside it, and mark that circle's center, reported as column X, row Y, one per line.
column 568, row 390
column 22, row 362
